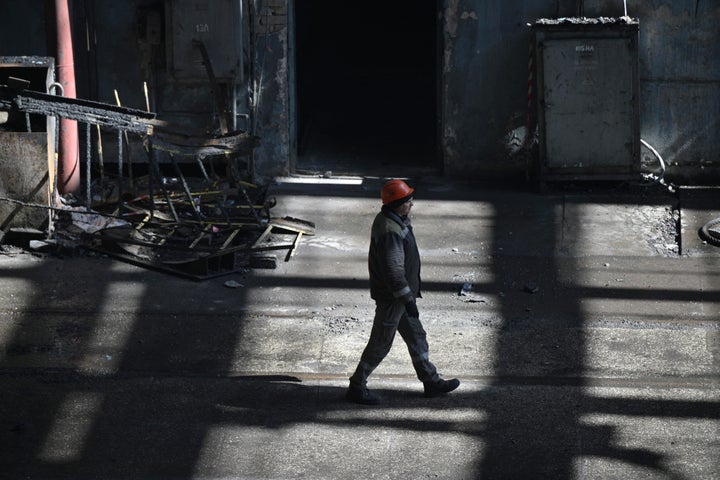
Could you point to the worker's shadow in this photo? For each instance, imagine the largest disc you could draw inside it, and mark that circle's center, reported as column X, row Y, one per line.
column 541, row 424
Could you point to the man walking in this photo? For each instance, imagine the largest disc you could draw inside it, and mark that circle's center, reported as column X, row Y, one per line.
column 394, row 264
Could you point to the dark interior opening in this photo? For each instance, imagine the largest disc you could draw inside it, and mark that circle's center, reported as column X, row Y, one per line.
column 37, row 76
column 366, row 79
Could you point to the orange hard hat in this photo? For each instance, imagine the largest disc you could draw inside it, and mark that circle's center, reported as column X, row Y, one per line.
column 395, row 190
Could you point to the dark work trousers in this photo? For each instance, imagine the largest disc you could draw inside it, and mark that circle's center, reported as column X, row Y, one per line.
column 390, row 317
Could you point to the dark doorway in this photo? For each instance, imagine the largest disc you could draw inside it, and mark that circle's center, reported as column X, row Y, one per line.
column 366, row 78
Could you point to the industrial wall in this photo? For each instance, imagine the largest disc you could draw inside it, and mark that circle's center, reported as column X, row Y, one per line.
column 680, row 85
column 486, row 59
column 486, row 100
column 486, row 95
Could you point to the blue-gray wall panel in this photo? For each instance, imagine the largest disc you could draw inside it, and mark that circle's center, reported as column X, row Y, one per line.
column 485, row 76
column 679, row 55
column 484, row 94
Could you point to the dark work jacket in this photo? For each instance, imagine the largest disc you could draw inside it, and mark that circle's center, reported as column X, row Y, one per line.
column 394, row 260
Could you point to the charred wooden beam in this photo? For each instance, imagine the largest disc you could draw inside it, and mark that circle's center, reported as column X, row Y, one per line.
column 86, row 111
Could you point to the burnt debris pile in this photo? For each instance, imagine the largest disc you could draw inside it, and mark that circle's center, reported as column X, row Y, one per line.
column 189, row 209
column 190, row 226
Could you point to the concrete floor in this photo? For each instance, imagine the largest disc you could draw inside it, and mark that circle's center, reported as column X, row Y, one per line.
column 587, row 342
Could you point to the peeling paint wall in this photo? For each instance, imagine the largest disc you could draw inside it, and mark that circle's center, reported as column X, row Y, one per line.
column 485, row 77
column 680, row 85
column 484, row 85
column 679, row 82
column 271, row 92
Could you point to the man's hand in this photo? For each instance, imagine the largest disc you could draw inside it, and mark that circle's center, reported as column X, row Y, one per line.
column 411, row 309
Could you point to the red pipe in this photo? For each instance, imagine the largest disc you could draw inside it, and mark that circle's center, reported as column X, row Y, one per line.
column 68, row 154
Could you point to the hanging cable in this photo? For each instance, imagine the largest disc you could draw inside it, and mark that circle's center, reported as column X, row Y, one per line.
column 657, row 178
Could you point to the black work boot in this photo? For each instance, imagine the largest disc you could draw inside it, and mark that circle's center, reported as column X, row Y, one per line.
column 362, row 395
column 440, row 387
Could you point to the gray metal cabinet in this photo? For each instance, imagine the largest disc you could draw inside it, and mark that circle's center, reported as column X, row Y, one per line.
column 588, row 105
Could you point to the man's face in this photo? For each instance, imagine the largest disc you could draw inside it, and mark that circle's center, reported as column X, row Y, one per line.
column 404, row 209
